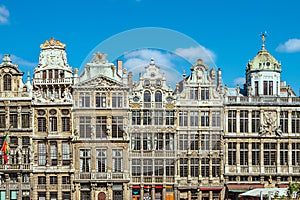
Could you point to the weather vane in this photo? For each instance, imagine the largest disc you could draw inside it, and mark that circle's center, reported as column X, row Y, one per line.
column 263, row 38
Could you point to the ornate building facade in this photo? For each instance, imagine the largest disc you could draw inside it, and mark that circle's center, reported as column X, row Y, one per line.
column 53, row 171
column 261, row 133
column 99, row 135
column 16, row 118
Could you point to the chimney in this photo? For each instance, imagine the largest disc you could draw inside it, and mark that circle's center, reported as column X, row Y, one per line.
column 119, row 66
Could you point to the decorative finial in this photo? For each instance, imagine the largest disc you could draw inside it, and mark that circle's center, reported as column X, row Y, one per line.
column 152, row 61
column 263, row 39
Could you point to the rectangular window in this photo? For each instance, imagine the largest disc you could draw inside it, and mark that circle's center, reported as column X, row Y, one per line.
column 268, row 87
column 194, row 167
column 232, row 121
column 66, row 153
column 2, row 117
column 169, row 117
column 117, row 100
column 53, row 195
column 147, row 167
column 41, row 180
column 53, row 123
column 183, row 118
column 136, row 141
column 53, row 180
column 170, row 167
column 101, row 160
column 296, row 154
column 216, row 163
column 101, row 127
column 255, row 121
column 244, row 153
column 117, row 158
column 169, row 141
column 66, row 195
column 136, row 167
column 183, row 167
column 136, row 118
column 65, row 124
column 255, row 153
column 270, row 153
column 84, row 100
column 42, row 153
column 25, row 156
column 85, row 160
column 255, row 88
column 183, row 141
column 284, row 154
column 295, row 121
column 147, row 114
column 158, row 117
column 159, row 141
column 53, row 153
column 147, row 141
column 41, row 195
column 25, row 120
column 204, row 118
column 204, row 93
column 216, row 119
column 194, row 141
column 205, row 167
column 117, row 127
column 244, row 121
column 194, row 93
column 284, row 121
column 85, row 127
column 65, row 180
column 194, row 118
column 100, row 100
column 205, row 139
column 231, row 153
column 13, row 117
column 159, row 167
column 215, row 141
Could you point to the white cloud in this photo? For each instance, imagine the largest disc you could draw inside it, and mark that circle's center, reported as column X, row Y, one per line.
column 239, row 81
column 143, row 57
column 290, row 46
column 137, row 60
column 4, row 14
column 194, row 53
column 20, row 61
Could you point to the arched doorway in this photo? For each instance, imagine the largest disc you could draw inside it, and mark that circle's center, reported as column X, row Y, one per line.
column 101, row 196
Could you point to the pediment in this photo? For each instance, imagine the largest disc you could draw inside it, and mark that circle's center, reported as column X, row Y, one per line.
column 99, row 81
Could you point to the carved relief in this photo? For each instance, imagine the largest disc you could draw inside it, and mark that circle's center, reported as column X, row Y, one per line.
column 269, row 125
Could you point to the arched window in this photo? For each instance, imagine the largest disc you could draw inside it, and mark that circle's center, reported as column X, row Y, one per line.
column 7, row 82
column 158, row 99
column 147, row 99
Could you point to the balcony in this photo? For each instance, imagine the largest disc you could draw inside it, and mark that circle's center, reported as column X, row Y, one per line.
column 244, row 169
column 85, row 176
column 296, row 169
column 270, row 169
column 52, row 81
column 66, row 187
column 10, row 94
column 41, row 186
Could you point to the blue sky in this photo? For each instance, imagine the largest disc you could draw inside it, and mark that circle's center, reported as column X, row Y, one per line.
column 227, row 32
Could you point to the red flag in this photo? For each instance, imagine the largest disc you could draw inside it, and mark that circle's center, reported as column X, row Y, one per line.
column 4, row 149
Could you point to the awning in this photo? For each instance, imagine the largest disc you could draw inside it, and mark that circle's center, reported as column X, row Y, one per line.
column 265, row 191
column 242, row 187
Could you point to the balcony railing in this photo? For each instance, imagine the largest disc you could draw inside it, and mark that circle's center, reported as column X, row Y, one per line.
column 66, row 187
column 11, row 94
column 266, row 99
column 52, row 81
column 270, row 169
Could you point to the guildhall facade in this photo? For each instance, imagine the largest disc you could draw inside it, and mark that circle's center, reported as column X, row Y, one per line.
column 100, row 135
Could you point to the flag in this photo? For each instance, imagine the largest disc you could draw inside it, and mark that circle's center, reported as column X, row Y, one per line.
column 4, row 149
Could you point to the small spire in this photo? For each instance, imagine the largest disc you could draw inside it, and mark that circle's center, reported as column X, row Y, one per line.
column 263, row 39
column 28, row 77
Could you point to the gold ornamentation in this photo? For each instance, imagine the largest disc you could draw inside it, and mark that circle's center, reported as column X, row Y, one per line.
column 135, row 105
column 52, row 42
column 169, row 105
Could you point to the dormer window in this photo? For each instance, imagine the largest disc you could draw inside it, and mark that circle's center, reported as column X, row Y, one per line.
column 7, row 82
